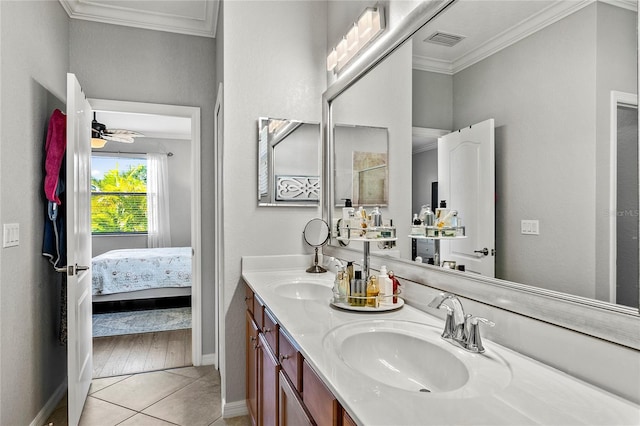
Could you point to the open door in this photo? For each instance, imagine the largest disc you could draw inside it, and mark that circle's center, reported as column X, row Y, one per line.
column 78, row 181
column 466, row 180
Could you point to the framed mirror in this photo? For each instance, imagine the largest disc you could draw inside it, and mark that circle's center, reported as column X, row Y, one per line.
column 288, row 162
column 561, row 94
column 361, row 165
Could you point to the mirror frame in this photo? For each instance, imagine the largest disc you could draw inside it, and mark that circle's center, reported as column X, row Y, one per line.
column 271, row 200
column 603, row 320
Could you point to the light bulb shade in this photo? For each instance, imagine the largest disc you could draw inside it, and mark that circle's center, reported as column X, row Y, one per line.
column 342, row 50
column 365, row 25
column 332, row 60
column 352, row 38
column 98, row 143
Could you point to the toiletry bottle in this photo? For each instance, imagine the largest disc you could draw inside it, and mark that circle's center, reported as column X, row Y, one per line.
column 347, row 212
column 349, row 271
column 427, row 220
column 386, row 286
column 396, row 284
column 372, row 292
column 358, row 290
column 416, row 220
column 345, row 285
column 376, row 217
column 441, row 213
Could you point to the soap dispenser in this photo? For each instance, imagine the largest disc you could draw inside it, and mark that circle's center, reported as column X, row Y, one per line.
column 347, row 211
column 372, row 292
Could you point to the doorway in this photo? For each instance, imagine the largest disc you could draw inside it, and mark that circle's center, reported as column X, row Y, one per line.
column 624, row 196
column 174, row 132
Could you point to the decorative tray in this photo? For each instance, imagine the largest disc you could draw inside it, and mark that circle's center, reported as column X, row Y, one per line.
column 381, row 308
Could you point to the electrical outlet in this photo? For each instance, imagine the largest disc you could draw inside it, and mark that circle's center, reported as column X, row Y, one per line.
column 530, row 227
column 10, row 234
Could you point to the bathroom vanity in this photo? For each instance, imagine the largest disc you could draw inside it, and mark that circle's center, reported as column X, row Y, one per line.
column 309, row 362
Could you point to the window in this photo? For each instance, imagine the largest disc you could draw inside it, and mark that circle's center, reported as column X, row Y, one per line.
column 118, row 194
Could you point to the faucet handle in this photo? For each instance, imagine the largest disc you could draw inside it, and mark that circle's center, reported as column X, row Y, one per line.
column 474, row 341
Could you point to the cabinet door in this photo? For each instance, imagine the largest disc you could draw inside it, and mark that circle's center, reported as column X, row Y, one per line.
column 290, row 360
column 268, row 385
column 319, row 400
column 248, row 298
column 291, row 411
column 252, row 368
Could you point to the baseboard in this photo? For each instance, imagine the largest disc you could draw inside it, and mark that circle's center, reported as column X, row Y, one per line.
column 234, row 409
column 51, row 405
column 210, row 359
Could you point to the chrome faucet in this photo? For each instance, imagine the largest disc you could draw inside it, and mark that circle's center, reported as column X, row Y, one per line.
column 460, row 329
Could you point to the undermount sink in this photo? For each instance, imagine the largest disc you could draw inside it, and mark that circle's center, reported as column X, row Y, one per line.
column 306, row 290
column 412, row 357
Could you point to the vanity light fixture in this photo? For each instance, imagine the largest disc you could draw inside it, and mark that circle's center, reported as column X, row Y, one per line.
column 366, row 29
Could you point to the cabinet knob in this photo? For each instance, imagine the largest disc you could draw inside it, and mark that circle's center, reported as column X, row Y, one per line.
column 266, row 330
column 252, row 338
column 247, row 298
column 283, row 357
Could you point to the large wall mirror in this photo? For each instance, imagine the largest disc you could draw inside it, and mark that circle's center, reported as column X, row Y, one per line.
column 288, row 162
column 559, row 79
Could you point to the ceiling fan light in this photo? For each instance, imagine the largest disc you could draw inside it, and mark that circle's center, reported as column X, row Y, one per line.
column 98, row 143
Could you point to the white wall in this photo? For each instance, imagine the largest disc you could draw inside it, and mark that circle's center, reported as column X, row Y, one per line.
column 35, row 58
column 163, row 68
column 276, row 69
column 179, row 171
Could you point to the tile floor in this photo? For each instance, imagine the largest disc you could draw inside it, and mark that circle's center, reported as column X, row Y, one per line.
column 188, row 396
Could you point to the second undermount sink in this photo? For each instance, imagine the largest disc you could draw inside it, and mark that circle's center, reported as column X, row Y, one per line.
column 304, row 289
column 412, row 357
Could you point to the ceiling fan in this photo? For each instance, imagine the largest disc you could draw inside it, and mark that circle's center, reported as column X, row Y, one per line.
column 100, row 135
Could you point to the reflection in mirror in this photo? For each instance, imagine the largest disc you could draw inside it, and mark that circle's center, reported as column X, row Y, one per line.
column 288, row 166
column 551, row 75
column 361, row 170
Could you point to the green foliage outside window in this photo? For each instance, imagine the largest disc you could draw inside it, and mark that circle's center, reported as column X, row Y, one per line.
column 119, row 201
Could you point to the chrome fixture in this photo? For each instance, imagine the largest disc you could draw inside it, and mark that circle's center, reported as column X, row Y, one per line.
column 460, row 329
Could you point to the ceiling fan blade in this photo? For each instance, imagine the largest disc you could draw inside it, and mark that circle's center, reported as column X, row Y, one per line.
column 119, row 138
column 123, row 132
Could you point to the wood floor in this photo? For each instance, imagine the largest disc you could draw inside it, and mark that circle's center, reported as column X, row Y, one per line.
column 136, row 353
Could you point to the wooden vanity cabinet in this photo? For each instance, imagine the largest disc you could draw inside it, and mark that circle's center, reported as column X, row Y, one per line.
column 281, row 387
column 323, row 406
column 252, row 366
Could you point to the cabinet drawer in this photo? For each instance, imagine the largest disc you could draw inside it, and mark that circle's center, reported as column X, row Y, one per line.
column 347, row 420
column 248, row 298
column 290, row 360
column 270, row 331
column 322, row 405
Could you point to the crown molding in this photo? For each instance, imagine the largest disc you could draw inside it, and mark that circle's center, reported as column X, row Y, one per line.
column 425, row 138
column 202, row 26
column 546, row 17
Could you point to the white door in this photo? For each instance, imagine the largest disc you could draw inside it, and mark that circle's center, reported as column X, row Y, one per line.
column 79, row 334
column 466, row 180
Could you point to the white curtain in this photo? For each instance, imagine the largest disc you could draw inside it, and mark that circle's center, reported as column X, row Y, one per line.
column 159, row 228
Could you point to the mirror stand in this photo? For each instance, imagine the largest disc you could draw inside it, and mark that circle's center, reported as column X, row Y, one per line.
column 315, row 268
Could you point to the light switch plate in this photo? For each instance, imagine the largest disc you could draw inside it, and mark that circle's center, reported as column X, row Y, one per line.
column 10, row 234
column 530, row 227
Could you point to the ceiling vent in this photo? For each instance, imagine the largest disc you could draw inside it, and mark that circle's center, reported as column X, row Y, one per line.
column 444, row 39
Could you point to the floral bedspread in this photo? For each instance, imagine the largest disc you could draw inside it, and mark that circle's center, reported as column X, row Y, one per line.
column 119, row 271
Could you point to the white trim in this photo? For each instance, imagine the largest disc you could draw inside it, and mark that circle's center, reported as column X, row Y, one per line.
column 204, row 24
column 196, row 213
column 631, row 5
column 50, row 405
column 617, row 98
column 210, row 359
column 234, row 409
column 546, row 17
column 218, row 232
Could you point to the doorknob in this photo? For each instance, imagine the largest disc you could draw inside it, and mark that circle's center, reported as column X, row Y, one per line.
column 81, row 268
column 484, row 251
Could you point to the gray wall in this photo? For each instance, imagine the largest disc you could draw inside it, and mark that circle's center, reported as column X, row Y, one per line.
column 432, row 100
column 179, row 171
column 35, row 58
column 276, row 69
column 162, row 68
column 425, row 171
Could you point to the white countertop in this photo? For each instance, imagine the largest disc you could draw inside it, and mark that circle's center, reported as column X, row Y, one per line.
column 535, row 394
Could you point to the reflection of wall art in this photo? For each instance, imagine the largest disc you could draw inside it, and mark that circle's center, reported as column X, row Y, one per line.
column 370, row 178
column 297, row 188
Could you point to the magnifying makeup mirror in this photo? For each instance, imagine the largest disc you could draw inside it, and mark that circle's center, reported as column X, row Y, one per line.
column 316, row 234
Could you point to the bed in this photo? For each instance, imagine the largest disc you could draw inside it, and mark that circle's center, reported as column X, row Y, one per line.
column 128, row 274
